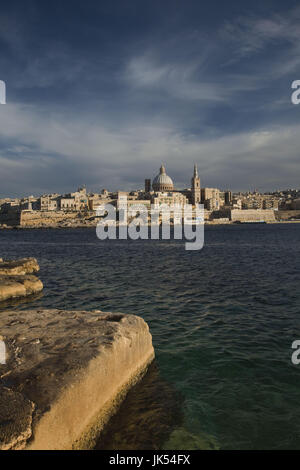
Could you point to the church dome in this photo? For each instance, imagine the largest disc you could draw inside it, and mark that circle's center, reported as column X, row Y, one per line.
column 162, row 182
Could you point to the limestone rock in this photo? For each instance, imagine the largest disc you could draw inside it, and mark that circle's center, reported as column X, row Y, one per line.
column 16, row 279
column 15, row 419
column 19, row 286
column 66, row 372
column 21, row 266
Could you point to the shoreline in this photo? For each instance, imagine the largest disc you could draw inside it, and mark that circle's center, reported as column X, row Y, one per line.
column 210, row 223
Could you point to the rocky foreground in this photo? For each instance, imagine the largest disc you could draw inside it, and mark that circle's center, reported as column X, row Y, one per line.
column 17, row 280
column 65, row 374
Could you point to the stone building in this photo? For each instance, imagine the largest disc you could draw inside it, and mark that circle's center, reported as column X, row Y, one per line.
column 76, row 201
column 210, row 197
column 96, row 200
column 212, row 204
column 269, row 203
column 50, row 202
column 163, row 189
column 169, row 198
column 67, row 204
column 236, row 203
column 253, row 203
column 295, row 204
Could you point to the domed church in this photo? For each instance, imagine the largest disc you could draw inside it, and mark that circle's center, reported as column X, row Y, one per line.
column 162, row 182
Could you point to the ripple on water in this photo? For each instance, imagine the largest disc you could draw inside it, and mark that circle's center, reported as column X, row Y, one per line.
column 223, row 320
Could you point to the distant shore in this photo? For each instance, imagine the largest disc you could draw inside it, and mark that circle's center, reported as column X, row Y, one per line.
column 85, row 226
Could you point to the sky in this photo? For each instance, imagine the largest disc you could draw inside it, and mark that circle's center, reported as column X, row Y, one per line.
column 102, row 92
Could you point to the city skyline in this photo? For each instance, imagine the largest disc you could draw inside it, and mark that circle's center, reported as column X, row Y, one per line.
column 127, row 86
column 141, row 188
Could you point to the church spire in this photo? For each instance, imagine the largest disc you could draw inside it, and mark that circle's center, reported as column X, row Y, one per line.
column 195, row 171
column 196, row 190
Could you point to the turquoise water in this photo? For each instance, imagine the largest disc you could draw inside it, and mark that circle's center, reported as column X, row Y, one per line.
column 223, row 320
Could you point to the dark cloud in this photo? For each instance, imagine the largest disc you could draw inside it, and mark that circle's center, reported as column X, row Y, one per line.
column 102, row 92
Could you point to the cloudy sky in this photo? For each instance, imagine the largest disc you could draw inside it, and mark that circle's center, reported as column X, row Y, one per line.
column 101, row 92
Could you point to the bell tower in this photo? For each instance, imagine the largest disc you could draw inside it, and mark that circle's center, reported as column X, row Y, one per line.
column 196, row 190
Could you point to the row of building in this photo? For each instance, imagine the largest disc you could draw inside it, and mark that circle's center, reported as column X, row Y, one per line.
column 159, row 191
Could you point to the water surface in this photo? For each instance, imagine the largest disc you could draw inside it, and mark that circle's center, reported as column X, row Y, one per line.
column 223, row 320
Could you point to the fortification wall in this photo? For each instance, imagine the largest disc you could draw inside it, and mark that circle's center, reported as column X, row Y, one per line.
column 44, row 218
column 287, row 215
column 252, row 215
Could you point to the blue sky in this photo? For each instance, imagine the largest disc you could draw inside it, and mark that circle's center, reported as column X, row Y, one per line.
column 101, row 92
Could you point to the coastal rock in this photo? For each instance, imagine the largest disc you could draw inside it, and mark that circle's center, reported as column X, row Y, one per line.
column 19, row 286
column 16, row 279
column 66, row 373
column 21, row 266
column 15, row 419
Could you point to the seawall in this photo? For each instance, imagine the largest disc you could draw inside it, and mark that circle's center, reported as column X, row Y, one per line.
column 37, row 219
column 252, row 215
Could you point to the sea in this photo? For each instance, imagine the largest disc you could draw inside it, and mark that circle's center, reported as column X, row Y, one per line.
column 223, row 320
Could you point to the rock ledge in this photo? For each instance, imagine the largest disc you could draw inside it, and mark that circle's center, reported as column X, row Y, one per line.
column 16, row 279
column 66, row 373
